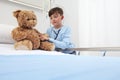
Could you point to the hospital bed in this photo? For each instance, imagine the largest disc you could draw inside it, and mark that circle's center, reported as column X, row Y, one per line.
column 44, row 65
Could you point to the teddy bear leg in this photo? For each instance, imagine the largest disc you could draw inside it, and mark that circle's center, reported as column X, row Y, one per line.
column 47, row 46
column 23, row 45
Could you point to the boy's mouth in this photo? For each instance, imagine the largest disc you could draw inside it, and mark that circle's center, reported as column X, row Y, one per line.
column 54, row 22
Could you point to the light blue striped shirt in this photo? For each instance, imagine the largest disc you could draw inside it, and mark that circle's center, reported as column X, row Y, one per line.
column 63, row 39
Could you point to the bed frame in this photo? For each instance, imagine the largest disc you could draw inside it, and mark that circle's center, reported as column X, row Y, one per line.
column 104, row 49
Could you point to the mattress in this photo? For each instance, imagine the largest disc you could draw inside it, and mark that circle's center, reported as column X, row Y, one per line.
column 49, row 67
column 8, row 49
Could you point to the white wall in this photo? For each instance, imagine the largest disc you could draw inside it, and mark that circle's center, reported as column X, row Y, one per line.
column 87, row 22
column 99, row 24
column 108, row 22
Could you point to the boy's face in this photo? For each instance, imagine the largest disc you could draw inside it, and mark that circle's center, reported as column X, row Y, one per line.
column 56, row 20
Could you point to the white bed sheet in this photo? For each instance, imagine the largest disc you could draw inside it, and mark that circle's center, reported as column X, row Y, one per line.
column 8, row 49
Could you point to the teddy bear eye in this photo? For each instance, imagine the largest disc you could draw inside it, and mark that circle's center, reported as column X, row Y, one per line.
column 28, row 19
column 34, row 19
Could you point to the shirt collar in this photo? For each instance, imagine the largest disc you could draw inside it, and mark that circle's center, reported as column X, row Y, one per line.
column 56, row 30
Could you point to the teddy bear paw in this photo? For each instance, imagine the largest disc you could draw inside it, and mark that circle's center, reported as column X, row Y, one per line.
column 23, row 45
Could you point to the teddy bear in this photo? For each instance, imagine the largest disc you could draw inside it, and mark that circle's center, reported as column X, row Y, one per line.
column 25, row 35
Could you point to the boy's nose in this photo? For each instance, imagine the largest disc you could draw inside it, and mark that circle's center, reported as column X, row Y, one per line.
column 53, row 20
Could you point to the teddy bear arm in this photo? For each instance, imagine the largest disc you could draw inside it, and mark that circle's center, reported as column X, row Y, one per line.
column 18, row 35
column 34, row 38
column 48, row 46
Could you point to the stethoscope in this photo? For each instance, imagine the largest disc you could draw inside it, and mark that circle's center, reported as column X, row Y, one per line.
column 56, row 33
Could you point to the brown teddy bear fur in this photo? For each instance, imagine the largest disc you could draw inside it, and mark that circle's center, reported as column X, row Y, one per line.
column 26, row 37
column 45, row 45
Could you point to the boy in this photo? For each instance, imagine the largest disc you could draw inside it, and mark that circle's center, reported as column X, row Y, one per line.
column 59, row 34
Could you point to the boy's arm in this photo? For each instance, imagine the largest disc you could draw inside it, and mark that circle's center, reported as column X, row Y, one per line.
column 65, row 43
column 60, row 44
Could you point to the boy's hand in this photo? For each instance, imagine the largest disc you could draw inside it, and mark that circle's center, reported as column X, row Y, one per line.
column 43, row 37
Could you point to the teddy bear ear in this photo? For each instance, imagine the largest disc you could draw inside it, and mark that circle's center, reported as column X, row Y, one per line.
column 16, row 13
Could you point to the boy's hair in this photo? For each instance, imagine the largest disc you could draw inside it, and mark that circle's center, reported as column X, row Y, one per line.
column 56, row 10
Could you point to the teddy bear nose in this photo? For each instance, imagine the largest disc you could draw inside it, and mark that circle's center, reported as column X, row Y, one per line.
column 28, row 19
